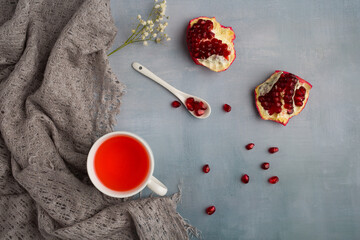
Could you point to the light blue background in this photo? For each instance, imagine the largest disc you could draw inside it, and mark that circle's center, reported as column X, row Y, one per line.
column 318, row 196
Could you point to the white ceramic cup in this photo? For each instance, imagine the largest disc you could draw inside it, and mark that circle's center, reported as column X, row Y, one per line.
column 150, row 181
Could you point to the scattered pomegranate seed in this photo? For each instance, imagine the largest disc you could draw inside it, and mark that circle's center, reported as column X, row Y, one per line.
column 210, row 210
column 227, row 108
column 265, row 165
column 250, row 146
column 273, row 180
column 175, row 104
column 245, row 178
column 273, row 150
column 206, row 168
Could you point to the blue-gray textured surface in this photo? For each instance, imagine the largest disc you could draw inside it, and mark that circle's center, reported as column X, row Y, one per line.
column 318, row 196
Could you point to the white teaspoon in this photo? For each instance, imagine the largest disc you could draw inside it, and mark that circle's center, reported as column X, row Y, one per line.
column 179, row 94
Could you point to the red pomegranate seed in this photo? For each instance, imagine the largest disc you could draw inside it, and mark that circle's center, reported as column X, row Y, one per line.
column 245, row 178
column 227, row 108
column 299, row 103
column 199, row 112
column 273, row 150
column 210, row 210
column 273, row 180
column 250, row 146
column 277, row 109
column 298, row 99
column 276, row 99
column 265, row 165
column 190, row 106
column 206, row 168
column 175, row 104
column 189, row 100
column 202, row 105
column 302, row 90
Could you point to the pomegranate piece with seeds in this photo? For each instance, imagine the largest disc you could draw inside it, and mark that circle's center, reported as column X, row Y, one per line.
column 206, row 168
column 210, row 44
column 210, row 210
column 281, row 97
column 250, row 146
column 273, row 180
column 273, row 149
column 265, row 165
column 198, row 107
column 245, row 178
column 227, row 108
column 175, row 104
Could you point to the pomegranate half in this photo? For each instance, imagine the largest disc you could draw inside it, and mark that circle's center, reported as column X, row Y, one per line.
column 281, row 96
column 210, row 44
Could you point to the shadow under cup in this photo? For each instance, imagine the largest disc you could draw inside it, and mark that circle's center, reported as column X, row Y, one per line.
column 120, row 164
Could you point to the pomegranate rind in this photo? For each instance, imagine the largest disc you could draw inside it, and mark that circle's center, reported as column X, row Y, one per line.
column 225, row 34
column 282, row 118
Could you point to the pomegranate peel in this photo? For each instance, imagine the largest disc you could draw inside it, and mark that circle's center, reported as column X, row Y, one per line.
column 210, row 44
column 282, row 96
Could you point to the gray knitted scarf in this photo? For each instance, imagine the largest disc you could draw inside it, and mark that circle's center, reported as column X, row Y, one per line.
column 57, row 96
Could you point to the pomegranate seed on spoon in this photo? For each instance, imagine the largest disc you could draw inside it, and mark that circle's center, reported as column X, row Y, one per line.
column 210, row 210
column 199, row 112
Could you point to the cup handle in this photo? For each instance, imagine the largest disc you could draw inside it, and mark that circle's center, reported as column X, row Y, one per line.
column 156, row 186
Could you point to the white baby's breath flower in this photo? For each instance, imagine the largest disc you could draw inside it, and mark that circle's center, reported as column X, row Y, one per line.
column 152, row 28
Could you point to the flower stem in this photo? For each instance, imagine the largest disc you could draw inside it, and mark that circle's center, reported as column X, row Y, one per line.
column 123, row 45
